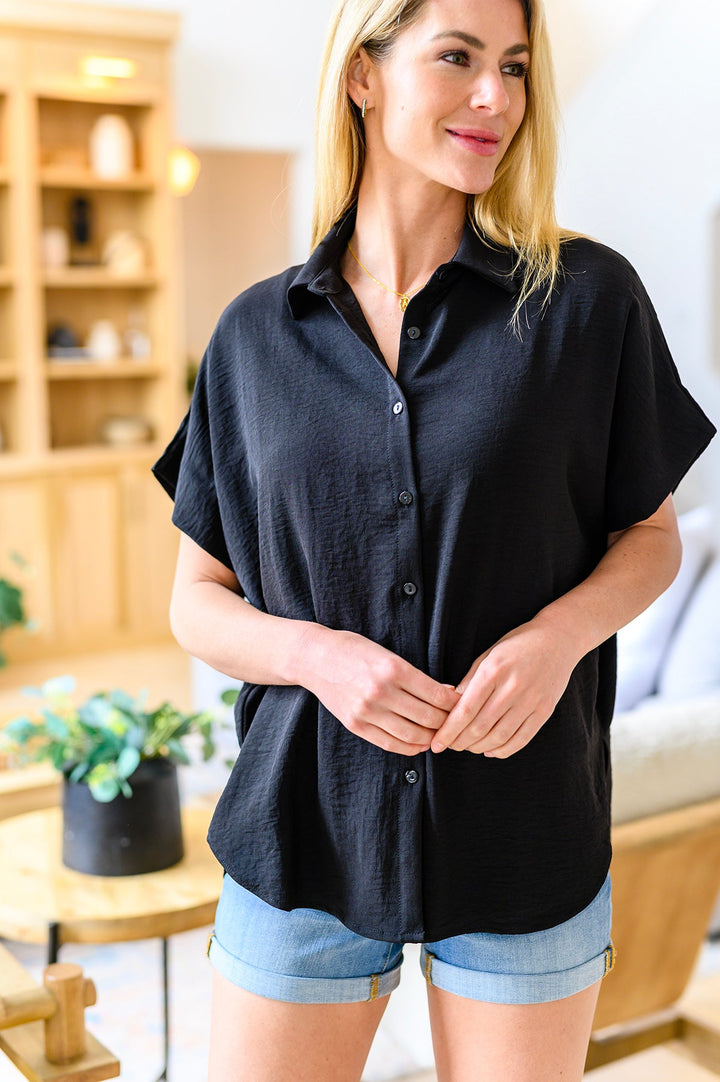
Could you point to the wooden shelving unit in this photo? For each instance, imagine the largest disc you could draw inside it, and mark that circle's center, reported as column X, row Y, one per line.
column 87, row 517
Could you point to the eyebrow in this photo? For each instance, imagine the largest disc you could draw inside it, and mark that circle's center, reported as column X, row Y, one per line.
column 470, row 39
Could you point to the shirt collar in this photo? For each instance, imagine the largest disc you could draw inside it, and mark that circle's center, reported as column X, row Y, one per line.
column 321, row 274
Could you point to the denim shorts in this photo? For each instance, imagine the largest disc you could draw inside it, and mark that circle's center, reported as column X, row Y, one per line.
column 308, row 956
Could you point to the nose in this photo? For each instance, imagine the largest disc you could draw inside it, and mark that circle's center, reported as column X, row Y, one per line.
column 490, row 93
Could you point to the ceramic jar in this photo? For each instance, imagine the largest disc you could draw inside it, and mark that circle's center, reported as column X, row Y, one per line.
column 111, row 147
column 103, row 341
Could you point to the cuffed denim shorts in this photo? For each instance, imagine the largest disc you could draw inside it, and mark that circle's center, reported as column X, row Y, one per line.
column 308, row 956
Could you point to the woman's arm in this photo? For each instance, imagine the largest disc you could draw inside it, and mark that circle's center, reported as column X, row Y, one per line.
column 373, row 692
column 511, row 691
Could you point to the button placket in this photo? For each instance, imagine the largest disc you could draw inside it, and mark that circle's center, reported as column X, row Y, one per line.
column 407, row 603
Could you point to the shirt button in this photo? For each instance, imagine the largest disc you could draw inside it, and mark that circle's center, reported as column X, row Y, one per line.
column 413, row 332
column 406, row 498
column 398, row 408
column 411, row 776
column 410, row 589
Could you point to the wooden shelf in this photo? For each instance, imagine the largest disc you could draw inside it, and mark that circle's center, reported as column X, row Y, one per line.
column 89, row 518
column 123, row 368
column 96, row 278
column 91, row 458
column 101, row 455
column 141, row 97
column 60, row 177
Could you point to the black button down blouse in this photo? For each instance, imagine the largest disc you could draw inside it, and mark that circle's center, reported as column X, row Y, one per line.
column 432, row 513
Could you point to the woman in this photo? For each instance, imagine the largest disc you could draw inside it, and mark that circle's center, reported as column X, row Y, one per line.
column 424, row 480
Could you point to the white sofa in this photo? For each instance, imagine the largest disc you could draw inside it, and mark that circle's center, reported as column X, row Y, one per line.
column 666, row 729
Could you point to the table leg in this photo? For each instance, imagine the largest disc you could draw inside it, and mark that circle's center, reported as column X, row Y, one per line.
column 166, row 1011
column 53, row 942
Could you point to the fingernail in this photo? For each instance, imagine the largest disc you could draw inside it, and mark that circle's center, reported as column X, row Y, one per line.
column 437, row 747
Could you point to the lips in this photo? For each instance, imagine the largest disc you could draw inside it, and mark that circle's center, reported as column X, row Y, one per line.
column 474, row 133
column 476, row 140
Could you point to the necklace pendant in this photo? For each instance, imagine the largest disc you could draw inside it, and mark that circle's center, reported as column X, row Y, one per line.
column 404, row 302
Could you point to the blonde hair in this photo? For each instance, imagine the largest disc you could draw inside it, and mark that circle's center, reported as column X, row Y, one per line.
column 517, row 211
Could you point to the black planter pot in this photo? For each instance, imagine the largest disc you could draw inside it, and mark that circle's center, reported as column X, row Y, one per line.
column 128, row 835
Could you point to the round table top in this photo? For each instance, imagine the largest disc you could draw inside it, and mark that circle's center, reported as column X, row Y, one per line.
column 36, row 889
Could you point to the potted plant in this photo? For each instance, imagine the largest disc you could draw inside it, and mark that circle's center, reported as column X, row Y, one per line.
column 121, row 805
column 12, row 611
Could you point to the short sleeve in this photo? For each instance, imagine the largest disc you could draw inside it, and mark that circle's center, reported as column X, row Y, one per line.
column 186, row 470
column 658, row 430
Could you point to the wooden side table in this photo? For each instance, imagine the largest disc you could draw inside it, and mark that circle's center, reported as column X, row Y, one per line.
column 42, row 901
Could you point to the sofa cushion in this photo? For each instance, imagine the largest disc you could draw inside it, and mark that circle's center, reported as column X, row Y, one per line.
column 692, row 664
column 665, row 755
column 643, row 643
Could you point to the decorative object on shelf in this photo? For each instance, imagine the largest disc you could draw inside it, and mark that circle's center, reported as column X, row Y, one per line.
column 137, row 344
column 125, row 431
column 103, row 342
column 82, row 249
column 121, row 808
column 112, row 149
column 63, row 342
column 125, row 253
column 55, row 247
column 136, row 338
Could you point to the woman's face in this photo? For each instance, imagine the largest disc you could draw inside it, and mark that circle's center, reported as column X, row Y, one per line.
column 447, row 101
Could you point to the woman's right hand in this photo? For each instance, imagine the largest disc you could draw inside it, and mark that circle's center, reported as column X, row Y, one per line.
column 373, row 692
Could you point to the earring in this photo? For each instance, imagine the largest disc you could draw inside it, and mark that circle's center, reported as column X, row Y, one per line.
column 364, row 108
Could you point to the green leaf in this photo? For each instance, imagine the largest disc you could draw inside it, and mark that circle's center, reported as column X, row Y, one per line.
column 124, row 787
column 78, row 773
column 177, row 752
column 208, row 748
column 55, row 726
column 20, row 730
column 122, row 701
column 57, row 687
column 96, row 712
column 230, row 696
column 11, row 608
column 105, row 790
column 128, row 762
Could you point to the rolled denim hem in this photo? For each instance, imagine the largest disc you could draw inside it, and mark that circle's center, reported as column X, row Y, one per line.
column 515, row 988
column 292, row 989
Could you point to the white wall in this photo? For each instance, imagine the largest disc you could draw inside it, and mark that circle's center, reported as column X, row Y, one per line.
column 642, row 173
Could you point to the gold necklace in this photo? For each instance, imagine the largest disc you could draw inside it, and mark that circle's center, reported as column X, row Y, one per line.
column 404, row 297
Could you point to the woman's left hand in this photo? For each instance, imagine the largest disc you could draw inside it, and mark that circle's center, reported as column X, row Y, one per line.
column 509, row 692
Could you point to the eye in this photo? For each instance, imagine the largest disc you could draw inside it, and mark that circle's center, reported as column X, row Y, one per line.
column 459, row 58
column 517, row 71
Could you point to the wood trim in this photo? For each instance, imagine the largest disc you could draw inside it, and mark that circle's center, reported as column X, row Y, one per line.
column 666, row 826
column 48, row 15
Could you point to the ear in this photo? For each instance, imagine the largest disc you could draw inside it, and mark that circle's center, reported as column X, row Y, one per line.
column 358, row 78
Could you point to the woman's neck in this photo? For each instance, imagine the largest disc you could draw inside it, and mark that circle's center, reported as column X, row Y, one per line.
column 403, row 236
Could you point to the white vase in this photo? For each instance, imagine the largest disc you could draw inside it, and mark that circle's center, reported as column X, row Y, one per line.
column 55, row 247
column 103, row 342
column 111, row 147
